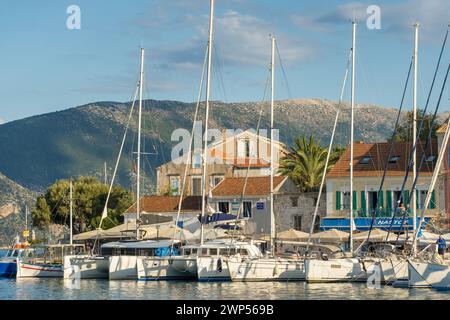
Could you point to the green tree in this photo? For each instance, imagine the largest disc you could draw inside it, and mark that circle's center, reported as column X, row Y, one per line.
column 305, row 163
column 41, row 213
column 405, row 129
column 89, row 197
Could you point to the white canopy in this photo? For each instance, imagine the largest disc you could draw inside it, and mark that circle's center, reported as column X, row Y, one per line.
column 332, row 235
column 292, row 235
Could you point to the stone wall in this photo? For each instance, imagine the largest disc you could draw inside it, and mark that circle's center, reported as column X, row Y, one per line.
column 288, row 206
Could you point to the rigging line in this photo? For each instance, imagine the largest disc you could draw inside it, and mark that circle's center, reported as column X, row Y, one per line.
column 219, row 66
column 283, row 70
column 189, row 154
column 105, row 209
column 422, row 158
column 288, row 127
column 391, row 148
column 338, row 111
column 248, row 165
column 419, row 132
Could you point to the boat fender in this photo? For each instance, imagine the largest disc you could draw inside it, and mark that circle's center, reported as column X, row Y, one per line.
column 170, row 261
column 219, row 265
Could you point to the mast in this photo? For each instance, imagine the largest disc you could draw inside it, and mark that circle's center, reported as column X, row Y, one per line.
column 71, row 210
column 106, row 175
column 26, row 219
column 352, row 132
column 414, row 135
column 138, row 169
column 208, row 95
column 272, row 217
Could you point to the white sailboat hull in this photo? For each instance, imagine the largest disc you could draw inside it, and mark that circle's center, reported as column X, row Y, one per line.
column 86, row 267
column 335, row 270
column 393, row 270
column 164, row 268
column 122, row 268
column 210, row 269
column 426, row 275
column 39, row 270
column 266, row 269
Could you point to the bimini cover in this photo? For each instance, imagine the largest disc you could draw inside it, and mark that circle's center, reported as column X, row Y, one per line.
column 216, row 217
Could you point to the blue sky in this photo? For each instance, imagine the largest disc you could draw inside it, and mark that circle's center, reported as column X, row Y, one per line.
column 45, row 67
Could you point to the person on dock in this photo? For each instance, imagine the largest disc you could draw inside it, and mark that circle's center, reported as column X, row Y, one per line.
column 442, row 245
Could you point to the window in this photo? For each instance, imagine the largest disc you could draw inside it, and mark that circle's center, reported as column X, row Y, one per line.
column 244, row 252
column 394, row 159
column 204, row 251
column 196, row 186
column 187, row 252
column 365, row 160
column 175, row 185
column 245, row 148
column 196, row 160
column 247, row 209
column 294, row 202
column 345, row 200
column 224, row 207
column 421, row 196
column 215, row 180
column 297, row 222
column 213, row 252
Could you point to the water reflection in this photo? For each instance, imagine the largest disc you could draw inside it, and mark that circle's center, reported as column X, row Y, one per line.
column 43, row 289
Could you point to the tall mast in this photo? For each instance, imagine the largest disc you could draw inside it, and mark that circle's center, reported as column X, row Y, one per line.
column 138, row 179
column 352, row 132
column 26, row 219
column 414, row 138
column 71, row 210
column 208, row 95
column 272, row 217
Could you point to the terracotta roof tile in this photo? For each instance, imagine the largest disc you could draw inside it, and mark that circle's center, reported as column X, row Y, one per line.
column 255, row 186
column 168, row 204
column 379, row 153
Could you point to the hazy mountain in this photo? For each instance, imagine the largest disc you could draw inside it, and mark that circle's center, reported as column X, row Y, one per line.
column 13, row 199
column 38, row 150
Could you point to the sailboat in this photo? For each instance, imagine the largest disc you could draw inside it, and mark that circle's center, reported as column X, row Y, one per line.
column 394, row 269
column 349, row 268
column 201, row 261
column 118, row 260
column 271, row 268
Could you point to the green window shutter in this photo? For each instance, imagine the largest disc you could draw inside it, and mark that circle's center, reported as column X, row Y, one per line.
column 433, row 201
column 355, row 202
column 338, row 200
column 417, row 199
column 363, row 201
column 388, row 201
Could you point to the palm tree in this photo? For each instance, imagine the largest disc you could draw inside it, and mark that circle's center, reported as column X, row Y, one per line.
column 305, row 163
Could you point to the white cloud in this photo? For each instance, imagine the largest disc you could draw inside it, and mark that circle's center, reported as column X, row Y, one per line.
column 2, row 121
column 239, row 39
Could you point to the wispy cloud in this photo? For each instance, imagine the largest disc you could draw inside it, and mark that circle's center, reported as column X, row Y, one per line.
column 395, row 17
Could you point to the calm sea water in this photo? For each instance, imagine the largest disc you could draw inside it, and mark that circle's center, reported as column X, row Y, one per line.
column 58, row 289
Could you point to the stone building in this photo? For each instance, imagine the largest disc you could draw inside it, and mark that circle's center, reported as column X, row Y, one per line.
column 229, row 156
column 292, row 208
